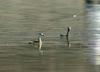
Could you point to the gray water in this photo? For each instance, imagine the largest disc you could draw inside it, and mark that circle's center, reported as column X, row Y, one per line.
column 21, row 20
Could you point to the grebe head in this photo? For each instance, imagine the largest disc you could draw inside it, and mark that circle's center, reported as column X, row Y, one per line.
column 41, row 34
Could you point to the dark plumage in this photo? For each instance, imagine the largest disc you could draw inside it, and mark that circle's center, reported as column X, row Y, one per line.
column 66, row 35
